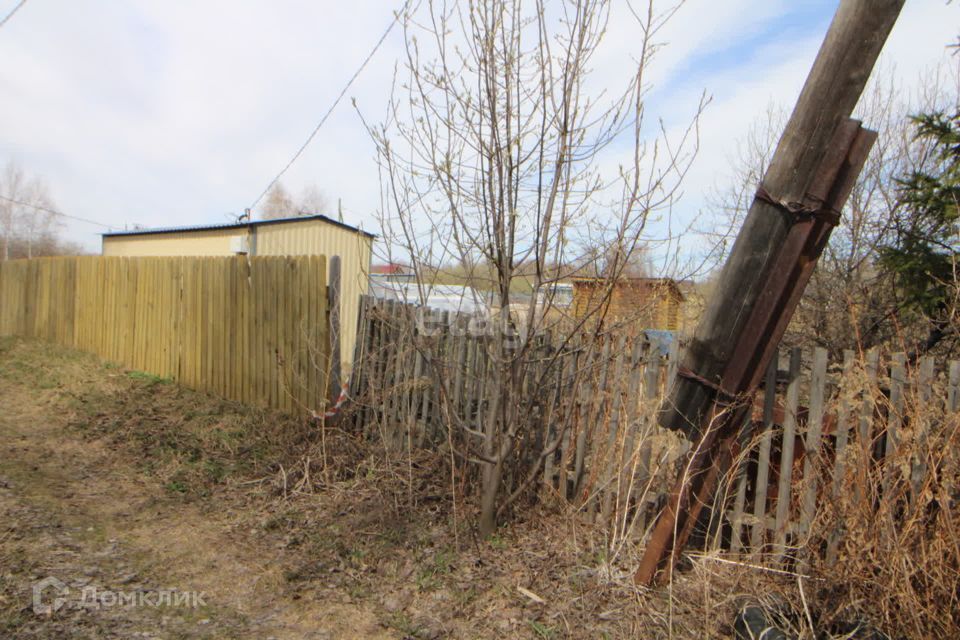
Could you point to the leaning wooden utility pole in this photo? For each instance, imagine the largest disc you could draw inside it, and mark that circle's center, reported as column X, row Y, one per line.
column 815, row 165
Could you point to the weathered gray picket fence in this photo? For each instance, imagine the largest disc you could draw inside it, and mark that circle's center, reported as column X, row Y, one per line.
column 423, row 379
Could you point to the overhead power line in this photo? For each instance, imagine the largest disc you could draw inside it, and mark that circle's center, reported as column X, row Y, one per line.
column 13, row 11
column 55, row 212
column 326, row 115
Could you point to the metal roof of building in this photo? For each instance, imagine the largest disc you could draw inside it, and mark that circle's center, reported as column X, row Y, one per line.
column 236, row 225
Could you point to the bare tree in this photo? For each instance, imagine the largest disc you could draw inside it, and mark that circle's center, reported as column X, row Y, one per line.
column 277, row 204
column 27, row 222
column 38, row 223
column 604, row 260
column 496, row 156
column 312, row 201
column 12, row 186
column 728, row 204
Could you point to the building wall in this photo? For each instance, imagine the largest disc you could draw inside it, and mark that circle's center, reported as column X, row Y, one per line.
column 310, row 237
column 644, row 304
column 691, row 309
column 215, row 242
column 326, row 239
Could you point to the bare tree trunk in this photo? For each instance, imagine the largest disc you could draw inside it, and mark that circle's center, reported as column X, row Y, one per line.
column 490, row 487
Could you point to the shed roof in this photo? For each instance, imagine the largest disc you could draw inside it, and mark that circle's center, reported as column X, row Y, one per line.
column 237, row 225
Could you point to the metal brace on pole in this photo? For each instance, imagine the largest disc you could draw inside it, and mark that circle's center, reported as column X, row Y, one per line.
column 810, row 226
column 811, row 174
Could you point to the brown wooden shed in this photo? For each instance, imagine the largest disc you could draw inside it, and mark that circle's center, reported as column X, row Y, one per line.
column 647, row 303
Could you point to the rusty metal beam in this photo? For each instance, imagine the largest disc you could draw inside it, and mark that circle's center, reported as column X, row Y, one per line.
column 793, row 264
column 797, row 258
column 809, row 178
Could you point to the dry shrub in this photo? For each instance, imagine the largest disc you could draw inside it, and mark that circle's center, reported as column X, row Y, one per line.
column 894, row 520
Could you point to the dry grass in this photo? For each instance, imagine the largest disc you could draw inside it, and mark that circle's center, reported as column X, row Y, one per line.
column 883, row 550
column 898, row 561
column 381, row 527
column 191, row 441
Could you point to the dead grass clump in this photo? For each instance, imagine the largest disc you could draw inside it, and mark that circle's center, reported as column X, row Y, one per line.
column 192, row 441
column 41, row 366
column 895, row 524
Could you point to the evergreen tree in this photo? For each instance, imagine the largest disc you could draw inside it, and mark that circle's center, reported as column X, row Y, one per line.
column 922, row 255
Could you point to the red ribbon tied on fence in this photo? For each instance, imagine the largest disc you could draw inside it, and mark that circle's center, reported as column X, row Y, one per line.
column 335, row 409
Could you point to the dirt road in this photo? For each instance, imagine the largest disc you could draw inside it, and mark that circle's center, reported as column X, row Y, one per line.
column 126, row 557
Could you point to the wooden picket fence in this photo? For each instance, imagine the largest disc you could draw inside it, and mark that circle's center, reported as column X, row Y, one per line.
column 424, row 384
column 253, row 330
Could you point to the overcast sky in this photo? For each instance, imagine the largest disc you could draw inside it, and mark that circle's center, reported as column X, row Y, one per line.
column 169, row 112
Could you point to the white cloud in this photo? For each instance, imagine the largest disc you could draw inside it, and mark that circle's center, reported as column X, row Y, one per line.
column 774, row 74
column 168, row 113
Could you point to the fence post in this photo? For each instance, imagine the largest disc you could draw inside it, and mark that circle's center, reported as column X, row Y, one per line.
column 650, row 399
column 615, row 434
column 842, row 436
column 629, row 456
column 813, row 443
column 898, row 378
column 740, row 498
column 333, row 313
column 593, row 411
column 791, row 407
column 870, row 365
column 918, row 468
column 953, row 406
column 953, row 391
column 763, row 460
column 563, row 370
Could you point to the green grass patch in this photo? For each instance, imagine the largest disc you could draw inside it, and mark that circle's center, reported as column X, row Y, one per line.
column 435, row 570
column 147, row 378
column 541, row 630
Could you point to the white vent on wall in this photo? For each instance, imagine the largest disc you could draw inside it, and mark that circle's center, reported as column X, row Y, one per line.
column 239, row 244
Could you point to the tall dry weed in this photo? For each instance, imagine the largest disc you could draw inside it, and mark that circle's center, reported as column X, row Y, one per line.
column 885, row 544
